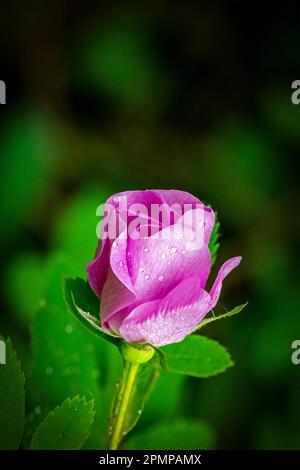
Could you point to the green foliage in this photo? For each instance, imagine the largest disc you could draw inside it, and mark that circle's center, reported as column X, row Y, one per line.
column 214, row 244
column 26, row 150
column 197, row 356
column 67, row 359
column 177, row 435
column 25, row 271
column 85, row 305
column 66, row 427
column 118, row 60
column 75, row 231
column 12, row 401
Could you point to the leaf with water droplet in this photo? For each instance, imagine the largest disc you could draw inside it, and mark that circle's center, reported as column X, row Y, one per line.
column 67, row 427
column 82, row 301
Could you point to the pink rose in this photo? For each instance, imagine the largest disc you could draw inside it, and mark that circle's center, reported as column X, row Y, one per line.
column 152, row 288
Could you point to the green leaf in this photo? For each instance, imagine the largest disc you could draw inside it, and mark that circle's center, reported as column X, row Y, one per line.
column 67, row 427
column 163, row 360
column 67, row 359
column 214, row 244
column 12, row 400
column 197, row 356
column 231, row 312
column 82, row 301
column 64, row 360
column 177, row 435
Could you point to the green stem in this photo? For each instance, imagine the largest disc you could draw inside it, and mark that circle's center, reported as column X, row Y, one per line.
column 122, row 402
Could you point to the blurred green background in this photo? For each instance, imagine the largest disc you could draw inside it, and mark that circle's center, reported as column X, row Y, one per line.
column 194, row 96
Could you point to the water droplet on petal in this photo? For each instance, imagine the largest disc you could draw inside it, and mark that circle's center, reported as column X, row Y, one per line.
column 160, row 278
column 121, row 263
column 141, row 269
column 163, row 256
column 115, row 244
column 147, row 277
column 146, row 250
column 173, row 249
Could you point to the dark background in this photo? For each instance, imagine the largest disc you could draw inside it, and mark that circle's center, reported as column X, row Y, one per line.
column 104, row 97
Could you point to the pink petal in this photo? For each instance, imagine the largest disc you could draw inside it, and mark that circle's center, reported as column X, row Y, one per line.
column 225, row 269
column 173, row 196
column 98, row 268
column 157, row 265
column 118, row 261
column 184, row 199
column 115, row 297
column 169, row 320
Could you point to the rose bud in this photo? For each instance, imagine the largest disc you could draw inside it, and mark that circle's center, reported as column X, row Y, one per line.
column 152, row 265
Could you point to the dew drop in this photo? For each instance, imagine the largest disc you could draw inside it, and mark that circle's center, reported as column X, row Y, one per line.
column 147, row 277
column 163, row 256
column 141, row 269
column 173, row 249
column 115, row 244
column 121, row 263
column 69, row 329
column 90, row 347
column 160, row 278
column 146, row 250
column 49, row 371
column 60, row 352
